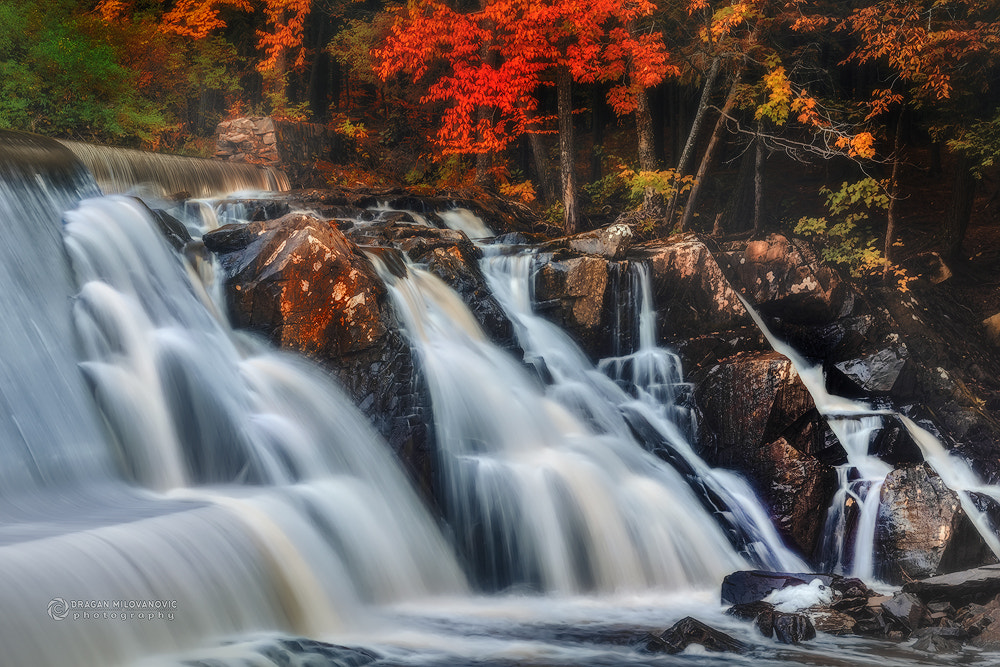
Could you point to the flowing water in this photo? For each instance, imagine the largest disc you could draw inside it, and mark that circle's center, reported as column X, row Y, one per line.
column 173, row 492
column 861, row 479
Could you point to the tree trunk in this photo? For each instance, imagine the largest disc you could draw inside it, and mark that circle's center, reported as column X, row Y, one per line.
column 758, row 187
column 484, row 161
column 961, row 208
column 598, row 119
column 540, row 156
column 893, row 212
column 567, row 170
column 699, row 119
column 706, row 159
column 652, row 202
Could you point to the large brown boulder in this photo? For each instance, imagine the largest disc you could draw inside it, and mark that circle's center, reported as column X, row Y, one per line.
column 760, row 420
column 299, row 282
column 573, row 292
column 302, row 284
column 785, row 277
column 922, row 528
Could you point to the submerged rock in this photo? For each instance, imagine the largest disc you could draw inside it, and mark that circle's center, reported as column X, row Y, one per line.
column 793, row 628
column 689, row 631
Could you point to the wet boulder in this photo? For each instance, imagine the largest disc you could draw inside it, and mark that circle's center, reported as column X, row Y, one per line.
column 787, row 279
column 688, row 631
column 760, row 613
column 793, row 628
column 750, row 586
column 299, row 281
column 922, row 528
column 572, row 292
column 977, row 585
column 879, row 371
column 760, row 420
column 907, row 610
column 692, row 295
column 611, row 242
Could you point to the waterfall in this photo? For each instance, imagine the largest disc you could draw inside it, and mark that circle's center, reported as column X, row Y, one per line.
column 228, row 488
column 123, row 170
column 654, row 377
column 854, row 422
column 535, row 496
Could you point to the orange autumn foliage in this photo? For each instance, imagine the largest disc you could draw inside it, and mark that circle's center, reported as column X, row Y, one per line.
column 495, row 59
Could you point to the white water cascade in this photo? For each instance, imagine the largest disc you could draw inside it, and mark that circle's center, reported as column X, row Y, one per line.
column 175, row 493
column 653, row 376
column 854, row 422
column 234, row 488
column 535, row 496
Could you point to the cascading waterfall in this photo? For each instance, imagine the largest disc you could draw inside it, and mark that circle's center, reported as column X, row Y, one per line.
column 233, row 487
column 654, row 377
column 122, row 170
column 854, row 423
column 154, row 462
column 535, row 496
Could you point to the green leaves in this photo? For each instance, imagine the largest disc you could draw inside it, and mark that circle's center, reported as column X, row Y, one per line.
column 58, row 77
column 845, row 239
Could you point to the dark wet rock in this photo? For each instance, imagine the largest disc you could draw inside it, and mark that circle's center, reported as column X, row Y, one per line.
column 879, row 371
column 978, row 585
column 465, row 278
column 760, row 420
column 172, row 229
column 611, row 242
column 689, row 631
column 450, row 256
column 299, row 282
column 573, row 293
column 749, row 586
column 785, row 278
column 692, row 295
column 908, row 610
column 922, row 529
column 834, row 622
column 760, row 613
column 937, row 640
column 894, row 445
column 793, row 628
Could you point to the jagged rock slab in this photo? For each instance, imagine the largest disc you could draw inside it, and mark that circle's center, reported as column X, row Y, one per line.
column 959, row 588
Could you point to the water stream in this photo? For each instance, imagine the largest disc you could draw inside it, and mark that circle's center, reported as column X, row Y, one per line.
column 175, row 492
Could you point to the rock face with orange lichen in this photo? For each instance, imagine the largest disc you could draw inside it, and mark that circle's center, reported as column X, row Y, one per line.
column 300, row 283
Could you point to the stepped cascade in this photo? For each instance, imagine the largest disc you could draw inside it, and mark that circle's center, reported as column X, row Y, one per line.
column 241, row 510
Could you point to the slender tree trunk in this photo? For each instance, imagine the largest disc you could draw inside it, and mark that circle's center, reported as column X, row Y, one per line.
column 961, row 208
column 893, row 212
column 699, row 118
column 758, row 187
column 540, row 156
column 652, row 202
column 706, row 159
column 567, row 170
column 484, row 161
column 598, row 119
